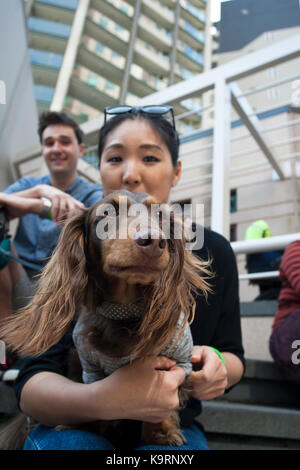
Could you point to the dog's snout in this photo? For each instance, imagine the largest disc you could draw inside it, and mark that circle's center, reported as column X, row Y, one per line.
column 151, row 242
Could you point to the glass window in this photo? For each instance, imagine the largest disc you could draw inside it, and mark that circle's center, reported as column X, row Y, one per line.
column 233, row 233
column 99, row 47
column 109, row 85
column 103, row 22
column 118, row 27
column 43, row 94
column 71, row 4
column 233, row 200
column 196, row 56
column 92, row 80
column 67, row 100
column 49, row 27
column 45, row 59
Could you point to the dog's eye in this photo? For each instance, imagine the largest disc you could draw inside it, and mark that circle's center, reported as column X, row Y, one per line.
column 109, row 210
column 159, row 216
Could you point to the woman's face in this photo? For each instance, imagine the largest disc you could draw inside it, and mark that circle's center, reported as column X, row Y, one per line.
column 136, row 159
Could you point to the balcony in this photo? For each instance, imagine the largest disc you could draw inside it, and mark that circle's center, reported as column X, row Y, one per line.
column 89, row 95
column 112, row 12
column 52, row 11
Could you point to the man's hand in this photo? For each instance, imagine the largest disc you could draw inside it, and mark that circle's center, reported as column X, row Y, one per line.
column 29, row 202
column 62, row 203
column 211, row 380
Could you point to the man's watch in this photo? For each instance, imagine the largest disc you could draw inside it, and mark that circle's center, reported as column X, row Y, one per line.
column 46, row 212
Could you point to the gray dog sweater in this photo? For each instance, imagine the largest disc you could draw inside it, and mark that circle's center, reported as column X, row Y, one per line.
column 96, row 366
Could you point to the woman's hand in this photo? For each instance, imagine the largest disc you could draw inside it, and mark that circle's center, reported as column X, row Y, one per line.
column 211, row 380
column 145, row 390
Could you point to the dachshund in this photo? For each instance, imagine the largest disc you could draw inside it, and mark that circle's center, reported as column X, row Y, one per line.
column 136, row 289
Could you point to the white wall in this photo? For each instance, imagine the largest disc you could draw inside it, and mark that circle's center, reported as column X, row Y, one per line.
column 18, row 117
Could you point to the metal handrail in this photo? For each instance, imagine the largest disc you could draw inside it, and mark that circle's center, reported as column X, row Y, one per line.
column 264, row 275
column 279, row 242
column 264, row 244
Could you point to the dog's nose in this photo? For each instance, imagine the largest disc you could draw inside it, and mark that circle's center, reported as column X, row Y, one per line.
column 151, row 242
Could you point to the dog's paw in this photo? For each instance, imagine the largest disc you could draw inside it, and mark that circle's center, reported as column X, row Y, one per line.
column 62, row 427
column 173, row 437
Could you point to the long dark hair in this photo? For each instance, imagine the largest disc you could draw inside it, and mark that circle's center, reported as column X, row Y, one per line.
column 161, row 125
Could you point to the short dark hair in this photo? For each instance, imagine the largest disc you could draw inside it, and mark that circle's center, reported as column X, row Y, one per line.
column 52, row 117
column 164, row 128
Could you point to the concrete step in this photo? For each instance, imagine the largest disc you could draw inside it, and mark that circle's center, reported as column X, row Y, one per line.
column 251, row 420
column 232, row 442
column 259, row 308
column 263, row 384
column 8, row 402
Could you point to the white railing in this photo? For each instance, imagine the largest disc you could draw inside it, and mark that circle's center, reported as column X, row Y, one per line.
column 258, row 246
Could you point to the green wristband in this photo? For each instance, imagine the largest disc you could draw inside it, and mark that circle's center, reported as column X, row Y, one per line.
column 219, row 354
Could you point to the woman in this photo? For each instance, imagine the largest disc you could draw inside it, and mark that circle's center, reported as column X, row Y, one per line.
column 285, row 337
column 138, row 151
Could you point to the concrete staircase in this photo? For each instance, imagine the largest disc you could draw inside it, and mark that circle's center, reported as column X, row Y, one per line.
column 262, row 412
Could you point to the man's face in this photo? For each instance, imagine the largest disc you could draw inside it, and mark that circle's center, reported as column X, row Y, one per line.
column 61, row 149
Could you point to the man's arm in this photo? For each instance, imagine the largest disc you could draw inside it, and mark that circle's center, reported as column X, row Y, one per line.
column 17, row 206
column 28, row 201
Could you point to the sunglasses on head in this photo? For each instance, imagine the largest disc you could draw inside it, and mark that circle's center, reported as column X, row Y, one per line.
column 154, row 110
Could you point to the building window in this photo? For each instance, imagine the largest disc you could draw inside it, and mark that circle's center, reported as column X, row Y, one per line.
column 272, row 72
column 49, row 27
column 92, row 80
column 67, row 100
column 43, row 94
column 70, row 4
column 269, row 36
column 109, row 85
column 99, row 47
column 103, row 22
column 233, row 200
column 233, row 232
column 45, row 59
column 118, row 27
column 273, row 93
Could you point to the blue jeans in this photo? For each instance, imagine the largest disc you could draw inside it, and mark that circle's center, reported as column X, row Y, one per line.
column 45, row 438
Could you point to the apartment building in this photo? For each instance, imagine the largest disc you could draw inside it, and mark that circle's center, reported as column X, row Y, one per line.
column 88, row 54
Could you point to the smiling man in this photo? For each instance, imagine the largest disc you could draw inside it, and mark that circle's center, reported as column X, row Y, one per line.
column 40, row 203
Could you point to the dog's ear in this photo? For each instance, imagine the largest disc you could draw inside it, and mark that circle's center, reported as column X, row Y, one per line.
column 60, row 290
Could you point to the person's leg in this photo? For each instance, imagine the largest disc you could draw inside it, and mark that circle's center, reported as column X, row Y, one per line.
column 19, row 291
column 10, row 275
column 195, row 440
column 282, row 346
column 45, row 438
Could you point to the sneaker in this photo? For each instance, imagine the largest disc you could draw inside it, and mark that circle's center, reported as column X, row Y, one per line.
column 8, row 372
column 10, row 375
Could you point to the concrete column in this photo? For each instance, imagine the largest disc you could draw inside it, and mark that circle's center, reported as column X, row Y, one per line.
column 206, row 97
column 28, row 7
column 66, row 70
column 174, row 46
column 133, row 34
column 220, row 210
